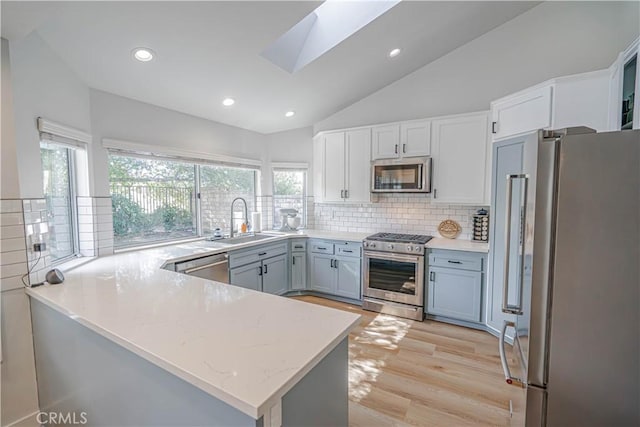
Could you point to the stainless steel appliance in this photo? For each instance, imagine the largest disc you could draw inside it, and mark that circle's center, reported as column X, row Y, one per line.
column 394, row 274
column 567, row 234
column 212, row 267
column 411, row 175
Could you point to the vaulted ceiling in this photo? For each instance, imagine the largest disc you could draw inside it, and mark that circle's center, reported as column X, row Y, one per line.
column 206, row 51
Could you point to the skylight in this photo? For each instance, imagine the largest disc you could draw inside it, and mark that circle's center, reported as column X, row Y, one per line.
column 323, row 29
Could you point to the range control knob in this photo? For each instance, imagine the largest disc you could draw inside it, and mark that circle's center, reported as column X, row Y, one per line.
column 418, row 249
column 409, row 248
column 373, row 245
column 390, row 246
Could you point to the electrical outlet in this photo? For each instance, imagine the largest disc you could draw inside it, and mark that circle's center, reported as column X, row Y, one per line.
column 39, row 247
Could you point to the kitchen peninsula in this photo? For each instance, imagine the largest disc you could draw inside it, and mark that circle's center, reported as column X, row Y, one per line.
column 165, row 348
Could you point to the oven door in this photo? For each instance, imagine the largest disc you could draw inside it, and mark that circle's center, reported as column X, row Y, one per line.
column 394, row 277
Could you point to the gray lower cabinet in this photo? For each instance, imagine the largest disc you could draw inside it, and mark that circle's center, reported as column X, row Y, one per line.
column 336, row 275
column 322, row 274
column 247, row 276
column 455, row 285
column 455, row 293
column 298, row 271
column 263, row 268
column 274, row 275
column 348, row 277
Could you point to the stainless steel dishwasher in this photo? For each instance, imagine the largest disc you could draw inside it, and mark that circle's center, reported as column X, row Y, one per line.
column 212, row 267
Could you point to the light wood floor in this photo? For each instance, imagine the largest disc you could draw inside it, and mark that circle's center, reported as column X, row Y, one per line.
column 403, row 372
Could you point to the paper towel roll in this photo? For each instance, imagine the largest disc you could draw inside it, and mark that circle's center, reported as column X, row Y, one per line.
column 256, row 222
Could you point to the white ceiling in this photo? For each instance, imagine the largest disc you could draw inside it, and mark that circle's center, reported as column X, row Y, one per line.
column 210, row 50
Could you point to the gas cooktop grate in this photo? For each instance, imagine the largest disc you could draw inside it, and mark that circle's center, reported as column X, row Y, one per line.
column 401, row 238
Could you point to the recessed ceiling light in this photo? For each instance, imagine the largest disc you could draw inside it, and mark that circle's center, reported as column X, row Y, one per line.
column 394, row 52
column 290, row 114
column 228, row 102
column 143, row 54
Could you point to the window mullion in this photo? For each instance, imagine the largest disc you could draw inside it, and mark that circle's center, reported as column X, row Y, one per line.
column 198, row 200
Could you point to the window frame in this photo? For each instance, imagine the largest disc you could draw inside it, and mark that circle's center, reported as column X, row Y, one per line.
column 196, row 164
column 72, row 153
column 291, row 167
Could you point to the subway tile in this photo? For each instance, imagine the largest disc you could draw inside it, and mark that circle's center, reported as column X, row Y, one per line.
column 102, row 235
column 16, row 218
column 103, row 201
column 11, row 231
column 104, row 210
column 10, row 206
column 13, row 257
column 38, row 204
column 10, row 270
column 14, row 244
column 105, row 251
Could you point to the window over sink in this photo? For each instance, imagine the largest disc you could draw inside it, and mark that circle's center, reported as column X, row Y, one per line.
column 163, row 199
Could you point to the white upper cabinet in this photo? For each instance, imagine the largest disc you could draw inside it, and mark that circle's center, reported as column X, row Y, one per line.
column 460, row 163
column 577, row 100
column 525, row 112
column 386, row 142
column 342, row 162
column 406, row 139
column 415, row 138
column 624, row 84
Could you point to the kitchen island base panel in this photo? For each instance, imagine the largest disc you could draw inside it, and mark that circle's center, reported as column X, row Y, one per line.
column 80, row 371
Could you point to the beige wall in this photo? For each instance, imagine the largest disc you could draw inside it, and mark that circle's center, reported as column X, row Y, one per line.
column 9, row 187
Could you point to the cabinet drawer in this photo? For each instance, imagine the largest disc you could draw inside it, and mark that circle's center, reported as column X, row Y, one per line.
column 249, row 256
column 457, row 259
column 298, row 245
column 320, row 247
column 349, row 250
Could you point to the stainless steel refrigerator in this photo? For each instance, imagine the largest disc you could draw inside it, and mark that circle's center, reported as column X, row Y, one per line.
column 569, row 237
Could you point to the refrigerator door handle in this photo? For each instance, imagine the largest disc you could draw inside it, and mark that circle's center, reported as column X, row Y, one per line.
column 506, row 307
column 503, row 356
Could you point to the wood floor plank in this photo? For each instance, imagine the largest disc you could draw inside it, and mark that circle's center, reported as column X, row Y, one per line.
column 404, row 372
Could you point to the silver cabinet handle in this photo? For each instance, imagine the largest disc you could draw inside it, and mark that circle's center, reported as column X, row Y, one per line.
column 506, row 307
column 503, row 357
column 346, row 194
column 396, row 149
column 335, row 263
column 342, row 194
column 404, row 148
column 432, row 276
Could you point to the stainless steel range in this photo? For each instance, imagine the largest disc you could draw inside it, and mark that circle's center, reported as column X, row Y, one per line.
column 394, row 274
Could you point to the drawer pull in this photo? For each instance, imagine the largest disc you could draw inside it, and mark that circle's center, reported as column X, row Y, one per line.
column 322, row 249
column 454, row 262
column 298, row 246
column 349, row 251
column 262, row 254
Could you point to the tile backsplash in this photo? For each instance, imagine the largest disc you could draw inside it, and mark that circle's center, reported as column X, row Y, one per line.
column 398, row 213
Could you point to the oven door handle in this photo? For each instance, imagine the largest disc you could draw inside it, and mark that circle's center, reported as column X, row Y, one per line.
column 391, row 257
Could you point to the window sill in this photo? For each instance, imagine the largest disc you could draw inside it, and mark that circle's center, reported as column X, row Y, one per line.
column 157, row 245
column 74, row 263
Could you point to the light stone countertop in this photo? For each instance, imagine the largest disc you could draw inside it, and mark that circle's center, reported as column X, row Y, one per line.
column 458, row 245
column 243, row 347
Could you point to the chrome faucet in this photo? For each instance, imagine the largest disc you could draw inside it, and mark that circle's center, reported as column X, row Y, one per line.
column 246, row 213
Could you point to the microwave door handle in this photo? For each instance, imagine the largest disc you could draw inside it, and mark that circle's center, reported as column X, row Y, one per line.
column 420, row 177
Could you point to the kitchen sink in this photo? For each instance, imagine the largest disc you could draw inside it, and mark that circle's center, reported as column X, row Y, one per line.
column 244, row 239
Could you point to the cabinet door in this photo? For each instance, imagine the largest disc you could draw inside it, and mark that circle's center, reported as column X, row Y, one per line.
column 508, row 159
column 323, row 275
column 334, row 167
column 455, row 293
column 358, row 178
column 386, row 142
column 348, row 280
column 460, row 159
column 274, row 275
column 247, row 276
column 522, row 113
column 415, row 139
column 298, row 270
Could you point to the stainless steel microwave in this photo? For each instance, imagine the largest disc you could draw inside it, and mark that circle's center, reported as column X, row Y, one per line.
column 412, row 175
